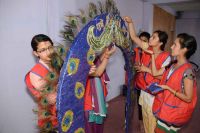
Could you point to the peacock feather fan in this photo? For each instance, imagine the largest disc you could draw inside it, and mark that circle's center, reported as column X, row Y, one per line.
column 74, row 23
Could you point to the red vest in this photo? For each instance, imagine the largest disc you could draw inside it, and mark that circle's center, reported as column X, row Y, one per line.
column 170, row 108
column 41, row 71
column 143, row 79
column 138, row 54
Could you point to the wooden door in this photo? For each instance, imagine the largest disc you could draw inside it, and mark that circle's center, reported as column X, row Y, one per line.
column 162, row 20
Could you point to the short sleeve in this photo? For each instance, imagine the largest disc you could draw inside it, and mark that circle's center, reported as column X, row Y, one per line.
column 189, row 74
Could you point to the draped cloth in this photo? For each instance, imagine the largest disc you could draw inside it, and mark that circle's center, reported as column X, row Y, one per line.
column 96, row 92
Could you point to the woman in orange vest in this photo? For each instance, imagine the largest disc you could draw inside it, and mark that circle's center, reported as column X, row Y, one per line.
column 145, row 77
column 174, row 107
column 144, row 36
column 95, row 93
column 41, row 81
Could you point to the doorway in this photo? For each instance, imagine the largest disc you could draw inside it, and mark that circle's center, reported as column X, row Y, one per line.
column 163, row 20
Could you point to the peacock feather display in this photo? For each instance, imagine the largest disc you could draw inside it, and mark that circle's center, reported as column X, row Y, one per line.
column 86, row 36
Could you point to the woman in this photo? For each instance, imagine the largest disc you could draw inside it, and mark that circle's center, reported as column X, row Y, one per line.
column 174, row 107
column 42, row 81
column 96, row 91
column 145, row 76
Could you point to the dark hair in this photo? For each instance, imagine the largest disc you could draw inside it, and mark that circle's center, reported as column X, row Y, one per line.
column 145, row 34
column 188, row 42
column 162, row 35
column 39, row 38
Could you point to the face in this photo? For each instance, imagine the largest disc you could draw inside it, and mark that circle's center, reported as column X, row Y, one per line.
column 154, row 40
column 144, row 39
column 176, row 48
column 44, row 50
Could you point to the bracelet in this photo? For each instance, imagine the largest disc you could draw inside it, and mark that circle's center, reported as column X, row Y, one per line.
column 175, row 93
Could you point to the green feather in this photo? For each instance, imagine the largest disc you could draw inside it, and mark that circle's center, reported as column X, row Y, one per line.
column 44, row 102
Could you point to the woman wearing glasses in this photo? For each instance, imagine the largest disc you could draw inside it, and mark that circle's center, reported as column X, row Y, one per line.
column 42, row 81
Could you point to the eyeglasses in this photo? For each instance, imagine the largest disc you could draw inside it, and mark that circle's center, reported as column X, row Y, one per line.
column 45, row 49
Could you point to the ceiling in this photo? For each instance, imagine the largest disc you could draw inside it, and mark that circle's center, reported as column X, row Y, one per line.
column 178, row 5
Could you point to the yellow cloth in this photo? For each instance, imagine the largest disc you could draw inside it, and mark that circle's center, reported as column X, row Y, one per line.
column 149, row 121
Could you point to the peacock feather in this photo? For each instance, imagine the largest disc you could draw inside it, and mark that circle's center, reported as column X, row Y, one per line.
column 56, row 63
column 86, row 36
column 92, row 10
column 75, row 22
column 44, row 102
column 44, row 114
column 112, row 33
column 48, row 89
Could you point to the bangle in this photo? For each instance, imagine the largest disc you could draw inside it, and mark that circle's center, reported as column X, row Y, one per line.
column 175, row 93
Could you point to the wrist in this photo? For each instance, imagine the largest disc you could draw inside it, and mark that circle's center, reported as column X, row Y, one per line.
column 175, row 92
column 106, row 56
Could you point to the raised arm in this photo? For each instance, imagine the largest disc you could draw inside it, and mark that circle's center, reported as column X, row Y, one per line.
column 104, row 61
column 132, row 32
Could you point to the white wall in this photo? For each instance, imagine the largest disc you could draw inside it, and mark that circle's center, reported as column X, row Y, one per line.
column 189, row 23
column 148, row 17
column 20, row 21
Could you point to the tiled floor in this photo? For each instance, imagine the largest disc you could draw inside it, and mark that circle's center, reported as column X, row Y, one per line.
column 115, row 120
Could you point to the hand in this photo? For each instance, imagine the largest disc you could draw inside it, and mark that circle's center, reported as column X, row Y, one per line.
column 92, row 69
column 141, row 68
column 128, row 19
column 149, row 51
column 52, row 98
column 108, row 52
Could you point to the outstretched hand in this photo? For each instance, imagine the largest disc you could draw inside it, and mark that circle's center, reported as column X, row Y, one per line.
column 148, row 51
column 92, row 69
column 108, row 52
column 141, row 68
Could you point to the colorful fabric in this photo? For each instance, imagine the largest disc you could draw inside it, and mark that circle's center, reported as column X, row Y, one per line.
column 95, row 101
column 99, row 104
column 92, row 127
column 162, row 127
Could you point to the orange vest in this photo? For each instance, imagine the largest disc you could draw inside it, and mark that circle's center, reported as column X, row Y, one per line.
column 138, row 54
column 41, row 71
column 170, row 108
column 143, row 79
